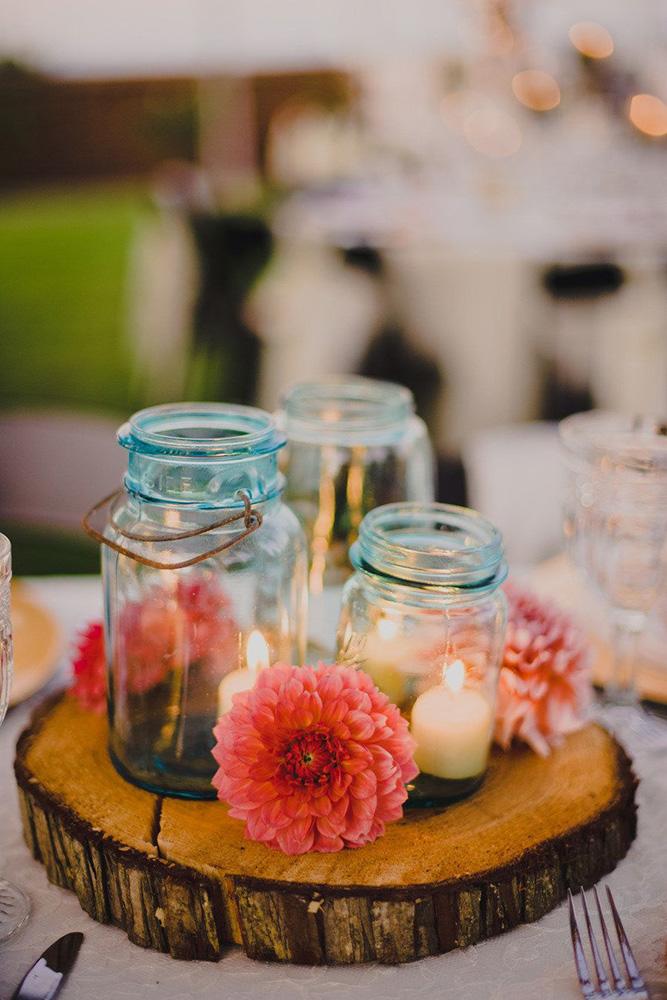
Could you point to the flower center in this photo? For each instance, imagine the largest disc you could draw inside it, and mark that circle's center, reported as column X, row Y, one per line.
column 311, row 757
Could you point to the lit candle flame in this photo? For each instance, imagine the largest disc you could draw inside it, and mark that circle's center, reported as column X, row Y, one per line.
column 455, row 675
column 257, row 652
column 387, row 628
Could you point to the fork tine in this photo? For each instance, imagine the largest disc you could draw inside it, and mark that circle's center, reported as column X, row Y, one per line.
column 636, row 980
column 579, row 956
column 603, row 982
column 619, row 982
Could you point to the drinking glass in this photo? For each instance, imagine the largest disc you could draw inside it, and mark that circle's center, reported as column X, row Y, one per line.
column 14, row 904
column 616, row 528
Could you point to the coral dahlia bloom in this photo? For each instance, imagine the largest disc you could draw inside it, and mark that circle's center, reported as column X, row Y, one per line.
column 162, row 631
column 89, row 685
column 166, row 630
column 313, row 759
column 545, row 688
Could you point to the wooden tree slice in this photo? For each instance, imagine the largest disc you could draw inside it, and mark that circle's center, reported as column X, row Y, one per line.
column 180, row 877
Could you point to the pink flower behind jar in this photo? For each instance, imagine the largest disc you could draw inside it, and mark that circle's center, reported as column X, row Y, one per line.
column 545, row 687
column 150, row 640
column 313, row 759
column 164, row 630
column 89, row 681
column 211, row 624
column 168, row 629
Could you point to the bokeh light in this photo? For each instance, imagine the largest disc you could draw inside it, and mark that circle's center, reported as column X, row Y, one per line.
column 591, row 39
column 492, row 132
column 536, row 90
column 456, row 106
column 648, row 114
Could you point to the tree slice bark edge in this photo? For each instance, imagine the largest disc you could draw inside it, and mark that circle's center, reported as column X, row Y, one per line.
column 175, row 909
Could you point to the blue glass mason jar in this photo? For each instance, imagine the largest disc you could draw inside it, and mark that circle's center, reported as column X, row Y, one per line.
column 204, row 573
column 425, row 617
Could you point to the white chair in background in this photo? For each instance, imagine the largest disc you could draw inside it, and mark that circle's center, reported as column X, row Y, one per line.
column 515, row 477
column 55, row 464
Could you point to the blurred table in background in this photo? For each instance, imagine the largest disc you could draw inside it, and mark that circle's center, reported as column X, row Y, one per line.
column 465, row 259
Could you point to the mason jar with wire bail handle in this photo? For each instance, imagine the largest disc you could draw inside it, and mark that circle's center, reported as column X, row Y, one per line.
column 425, row 617
column 204, row 575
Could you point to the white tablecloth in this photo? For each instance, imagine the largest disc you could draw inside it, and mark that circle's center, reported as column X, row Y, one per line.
column 531, row 963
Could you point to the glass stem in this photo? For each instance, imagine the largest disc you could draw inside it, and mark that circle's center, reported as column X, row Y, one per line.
column 621, row 688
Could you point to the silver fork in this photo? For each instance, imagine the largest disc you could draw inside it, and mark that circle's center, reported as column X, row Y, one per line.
column 634, row 986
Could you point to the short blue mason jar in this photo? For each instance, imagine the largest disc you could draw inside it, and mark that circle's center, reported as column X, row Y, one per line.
column 204, row 572
column 425, row 617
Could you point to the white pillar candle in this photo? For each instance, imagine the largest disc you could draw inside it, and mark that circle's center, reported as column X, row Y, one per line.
column 381, row 658
column 395, row 661
column 451, row 726
column 243, row 679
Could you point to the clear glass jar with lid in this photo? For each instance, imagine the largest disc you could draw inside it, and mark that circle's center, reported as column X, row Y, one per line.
column 204, row 574
column 425, row 617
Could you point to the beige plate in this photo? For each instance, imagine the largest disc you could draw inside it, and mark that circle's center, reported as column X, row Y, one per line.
column 558, row 580
column 37, row 645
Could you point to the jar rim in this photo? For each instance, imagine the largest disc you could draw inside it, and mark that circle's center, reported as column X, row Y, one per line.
column 201, row 430
column 342, row 405
column 433, row 546
column 609, row 440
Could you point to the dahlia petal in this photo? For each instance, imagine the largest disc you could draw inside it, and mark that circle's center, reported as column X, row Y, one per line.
column 298, row 838
column 384, row 763
column 360, row 724
column 328, row 845
column 330, row 686
column 409, row 770
column 363, row 784
column 296, row 806
column 329, row 828
column 321, row 806
column 333, row 712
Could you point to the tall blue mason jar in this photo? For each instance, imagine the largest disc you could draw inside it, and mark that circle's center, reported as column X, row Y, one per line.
column 204, row 573
column 425, row 617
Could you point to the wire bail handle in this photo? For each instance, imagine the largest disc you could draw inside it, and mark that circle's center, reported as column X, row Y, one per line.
column 251, row 517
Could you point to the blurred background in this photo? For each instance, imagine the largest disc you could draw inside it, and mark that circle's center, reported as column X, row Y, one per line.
column 212, row 201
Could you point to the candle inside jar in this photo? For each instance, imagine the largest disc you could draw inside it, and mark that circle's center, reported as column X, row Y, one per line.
column 451, row 725
column 243, row 679
column 382, row 655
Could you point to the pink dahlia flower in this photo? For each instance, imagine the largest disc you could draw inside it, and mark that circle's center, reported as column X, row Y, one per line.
column 545, row 688
column 162, row 631
column 89, row 684
column 166, row 630
column 313, row 759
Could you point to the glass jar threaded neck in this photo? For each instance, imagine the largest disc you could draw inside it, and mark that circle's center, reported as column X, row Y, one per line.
column 435, row 546
column 344, row 410
column 202, row 454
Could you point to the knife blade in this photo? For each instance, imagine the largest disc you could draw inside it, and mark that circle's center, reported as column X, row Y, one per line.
column 47, row 975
